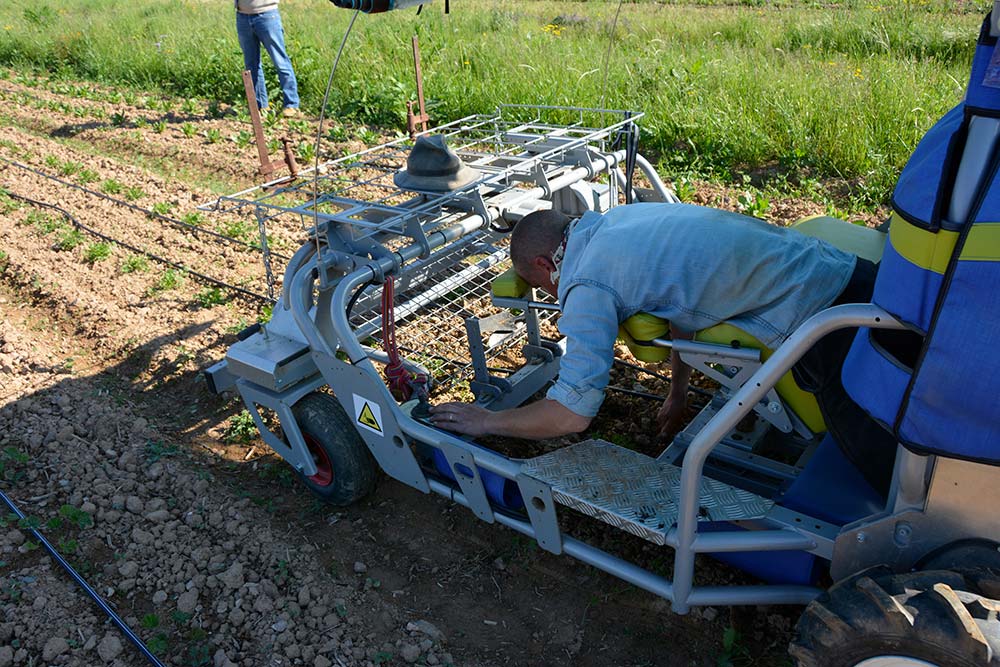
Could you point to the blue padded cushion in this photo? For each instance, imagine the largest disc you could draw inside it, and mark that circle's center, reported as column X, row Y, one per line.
column 832, row 489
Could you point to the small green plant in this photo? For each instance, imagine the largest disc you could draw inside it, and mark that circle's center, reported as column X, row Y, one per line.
column 68, row 168
column 188, row 129
column 243, row 138
column 368, row 136
column 4, row 261
column 7, row 203
column 70, row 239
column 180, row 617
column 215, row 110
column 306, row 151
column 237, row 229
column 337, row 133
column 158, row 645
column 193, row 218
column 52, row 162
column 77, row 516
column 118, row 119
column 171, row 279
column 133, row 193
column 240, row 429
column 684, row 189
column 266, row 312
column 753, row 202
column 734, row 653
column 68, row 547
column 211, row 296
column 162, row 208
column 189, row 107
column 213, row 135
column 87, row 176
column 97, row 252
column 160, row 126
column 140, row 123
column 111, row 187
column 135, row 264
column 150, row 621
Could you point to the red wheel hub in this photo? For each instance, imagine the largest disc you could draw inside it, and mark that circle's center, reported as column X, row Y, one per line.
column 324, row 469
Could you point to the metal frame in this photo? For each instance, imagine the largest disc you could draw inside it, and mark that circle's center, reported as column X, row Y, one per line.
column 437, row 243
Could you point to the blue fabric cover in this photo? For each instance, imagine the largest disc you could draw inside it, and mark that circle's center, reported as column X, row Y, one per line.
column 948, row 403
column 831, row 488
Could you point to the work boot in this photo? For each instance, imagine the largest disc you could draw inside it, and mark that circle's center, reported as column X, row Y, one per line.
column 290, row 112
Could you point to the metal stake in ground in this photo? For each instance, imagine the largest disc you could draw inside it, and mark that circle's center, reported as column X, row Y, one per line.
column 266, row 168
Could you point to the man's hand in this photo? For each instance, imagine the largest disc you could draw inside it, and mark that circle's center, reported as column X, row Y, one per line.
column 671, row 416
column 460, row 418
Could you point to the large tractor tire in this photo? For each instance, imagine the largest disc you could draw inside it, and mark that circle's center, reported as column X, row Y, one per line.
column 345, row 469
column 931, row 618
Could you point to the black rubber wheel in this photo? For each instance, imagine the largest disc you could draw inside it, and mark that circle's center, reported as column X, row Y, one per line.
column 345, row 469
column 878, row 619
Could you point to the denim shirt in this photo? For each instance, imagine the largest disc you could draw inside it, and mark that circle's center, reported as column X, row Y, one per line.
column 691, row 265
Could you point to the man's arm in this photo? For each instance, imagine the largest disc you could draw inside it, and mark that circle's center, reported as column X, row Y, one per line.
column 535, row 421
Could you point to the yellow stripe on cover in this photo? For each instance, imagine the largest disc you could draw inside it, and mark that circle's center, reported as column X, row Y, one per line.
column 983, row 243
column 928, row 250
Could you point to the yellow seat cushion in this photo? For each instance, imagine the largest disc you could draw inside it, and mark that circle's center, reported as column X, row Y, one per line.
column 638, row 330
column 858, row 240
column 509, row 285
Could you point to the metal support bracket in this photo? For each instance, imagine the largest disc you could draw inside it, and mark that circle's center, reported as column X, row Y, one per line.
column 542, row 512
column 463, row 467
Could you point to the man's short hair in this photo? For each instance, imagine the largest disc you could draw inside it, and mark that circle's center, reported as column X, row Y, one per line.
column 536, row 234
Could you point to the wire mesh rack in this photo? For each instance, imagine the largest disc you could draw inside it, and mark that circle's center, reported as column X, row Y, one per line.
column 515, row 150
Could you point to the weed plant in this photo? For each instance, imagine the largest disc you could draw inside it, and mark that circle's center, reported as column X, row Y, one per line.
column 843, row 88
column 70, row 239
column 97, row 252
column 135, row 264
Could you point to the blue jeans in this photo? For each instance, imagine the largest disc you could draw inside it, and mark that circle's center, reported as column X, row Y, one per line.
column 265, row 29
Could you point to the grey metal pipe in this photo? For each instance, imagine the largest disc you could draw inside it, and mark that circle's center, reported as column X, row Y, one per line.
column 742, row 402
column 301, row 256
column 646, row 580
column 747, row 540
column 654, row 180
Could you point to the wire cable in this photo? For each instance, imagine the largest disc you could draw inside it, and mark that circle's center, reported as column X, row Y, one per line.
column 607, row 56
column 79, row 225
column 319, row 135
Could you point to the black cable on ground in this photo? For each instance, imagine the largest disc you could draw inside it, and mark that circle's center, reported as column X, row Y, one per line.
column 145, row 211
column 132, row 637
column 78, row 225
column 659, row 376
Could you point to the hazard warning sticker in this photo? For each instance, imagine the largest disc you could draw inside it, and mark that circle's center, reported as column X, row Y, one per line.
column 368, row 414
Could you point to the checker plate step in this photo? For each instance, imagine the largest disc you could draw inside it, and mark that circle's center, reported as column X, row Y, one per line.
column 632, row 491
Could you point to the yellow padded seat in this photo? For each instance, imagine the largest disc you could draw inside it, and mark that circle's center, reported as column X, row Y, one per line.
column 637, row 330
column 509, row 285
column 856, row 239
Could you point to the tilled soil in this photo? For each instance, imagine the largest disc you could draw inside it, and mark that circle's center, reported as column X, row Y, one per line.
column 197, row 535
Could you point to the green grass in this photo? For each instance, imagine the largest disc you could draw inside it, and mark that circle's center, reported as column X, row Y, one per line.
column 843, row 88
column 70, row 239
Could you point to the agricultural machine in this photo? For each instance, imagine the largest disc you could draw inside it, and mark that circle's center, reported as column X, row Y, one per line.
column 401, row 294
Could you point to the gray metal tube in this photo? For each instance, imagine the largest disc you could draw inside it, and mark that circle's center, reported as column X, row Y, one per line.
column 654, row 180
column 646, row 580
column 742, row 402
column 704, row 596
column 300, row 257
column 747, row 540
column 580, row 550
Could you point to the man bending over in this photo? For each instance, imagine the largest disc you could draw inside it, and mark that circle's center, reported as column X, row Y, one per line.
column 695, row 267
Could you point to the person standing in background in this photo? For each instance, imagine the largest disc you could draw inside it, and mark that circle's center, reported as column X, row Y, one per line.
column 258, row 23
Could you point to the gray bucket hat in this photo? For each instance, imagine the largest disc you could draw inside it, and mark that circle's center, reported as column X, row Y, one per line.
column 432, row 166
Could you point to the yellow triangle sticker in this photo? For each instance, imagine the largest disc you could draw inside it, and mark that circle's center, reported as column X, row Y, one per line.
column 367, row 418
